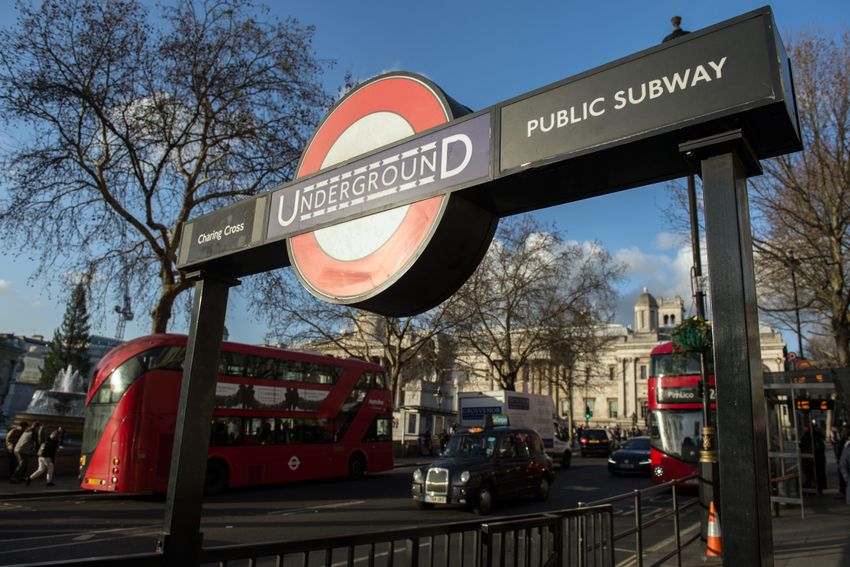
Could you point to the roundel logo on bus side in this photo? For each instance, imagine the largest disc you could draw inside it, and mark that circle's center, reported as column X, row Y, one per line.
column 402, row 260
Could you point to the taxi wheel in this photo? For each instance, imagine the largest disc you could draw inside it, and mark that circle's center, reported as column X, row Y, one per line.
column 425, row 505
column 486, row 500
column 543, row 490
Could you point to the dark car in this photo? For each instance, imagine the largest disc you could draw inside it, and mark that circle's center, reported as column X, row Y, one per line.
column 632, row 458
column 598, row 442
column 482, row 466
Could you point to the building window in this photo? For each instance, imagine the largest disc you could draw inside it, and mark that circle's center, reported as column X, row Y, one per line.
column 666, row 320
column 672, row 320
column 644, row 409
column 565, row 407
column 411, row 423
column 611, row 371
column 612, row 408
column 643, row 371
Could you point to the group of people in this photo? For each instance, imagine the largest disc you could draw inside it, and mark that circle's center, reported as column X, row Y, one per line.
column 23, row 441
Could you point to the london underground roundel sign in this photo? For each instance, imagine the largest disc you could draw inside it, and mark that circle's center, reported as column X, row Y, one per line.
column 407, row 258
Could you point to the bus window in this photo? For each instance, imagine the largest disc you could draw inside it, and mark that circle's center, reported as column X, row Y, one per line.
column 322, row 374
column 381, row 381
column 365, row 381
column 266, row 368
column 231, row 364
column 290, row 370
column 379, row 430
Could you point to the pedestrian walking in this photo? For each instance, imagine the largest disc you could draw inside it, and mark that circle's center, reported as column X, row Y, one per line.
column 24, row 449
column 820, row 458
column 844, row 463
column 12, row 438
column 843, row 439
column 47, row 457
column 835, row 441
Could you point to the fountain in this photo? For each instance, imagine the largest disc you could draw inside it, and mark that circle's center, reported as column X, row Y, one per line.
column 63, row 405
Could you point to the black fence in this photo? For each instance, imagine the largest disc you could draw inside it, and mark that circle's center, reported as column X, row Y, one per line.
column 681, row 537
column 583, row 537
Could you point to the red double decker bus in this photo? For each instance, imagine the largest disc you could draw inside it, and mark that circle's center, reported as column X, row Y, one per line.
column 675, row 412
column 279, row 416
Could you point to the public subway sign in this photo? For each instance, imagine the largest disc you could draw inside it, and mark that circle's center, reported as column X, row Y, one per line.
column 399, row 190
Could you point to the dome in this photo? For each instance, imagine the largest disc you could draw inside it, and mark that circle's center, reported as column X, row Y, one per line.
column 645, row 299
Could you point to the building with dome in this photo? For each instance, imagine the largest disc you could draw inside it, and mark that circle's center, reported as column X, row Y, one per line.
column 614, row 387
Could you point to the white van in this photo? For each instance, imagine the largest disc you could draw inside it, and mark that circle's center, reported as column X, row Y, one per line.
column 476, row 409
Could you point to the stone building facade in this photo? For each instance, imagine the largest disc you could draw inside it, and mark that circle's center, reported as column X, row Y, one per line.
column 614, row 388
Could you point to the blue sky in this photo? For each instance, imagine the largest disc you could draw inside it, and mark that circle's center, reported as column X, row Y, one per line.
column 480, row 52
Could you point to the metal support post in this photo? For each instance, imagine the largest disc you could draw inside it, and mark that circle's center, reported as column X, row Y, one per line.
column 708, row 451
column 726, row 161
column 181, row 537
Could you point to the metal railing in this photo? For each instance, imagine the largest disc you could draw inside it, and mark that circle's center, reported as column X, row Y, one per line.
column 582, row 537
column 640, row 524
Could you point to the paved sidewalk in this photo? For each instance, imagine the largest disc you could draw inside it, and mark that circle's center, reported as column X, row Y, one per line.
column 821, row 538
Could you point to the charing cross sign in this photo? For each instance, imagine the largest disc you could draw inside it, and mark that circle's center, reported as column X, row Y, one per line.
column 399, row 191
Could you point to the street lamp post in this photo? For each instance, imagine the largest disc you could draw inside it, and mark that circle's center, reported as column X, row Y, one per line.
column 793, row 263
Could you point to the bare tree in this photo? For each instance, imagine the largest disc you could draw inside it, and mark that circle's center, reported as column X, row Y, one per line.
column 803, row 200
column 408, row 347
column 530, row 293
column 130, row 127
column 801, row 205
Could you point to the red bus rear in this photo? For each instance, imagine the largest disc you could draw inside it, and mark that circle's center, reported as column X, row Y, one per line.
column 279, row 416
column 675, row 412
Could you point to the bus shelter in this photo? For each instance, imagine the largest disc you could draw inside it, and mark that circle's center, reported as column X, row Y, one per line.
column 801, row 407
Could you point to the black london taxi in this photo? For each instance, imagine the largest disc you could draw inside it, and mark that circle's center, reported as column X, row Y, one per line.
column 480, row 466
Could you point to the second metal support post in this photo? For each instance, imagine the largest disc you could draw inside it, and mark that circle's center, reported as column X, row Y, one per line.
column 741, row 420
column 181, row 533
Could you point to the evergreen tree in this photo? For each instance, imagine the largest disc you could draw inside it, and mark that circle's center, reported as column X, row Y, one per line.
column 70, row 341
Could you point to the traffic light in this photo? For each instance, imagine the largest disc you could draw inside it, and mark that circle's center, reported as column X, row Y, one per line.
column 588, row 413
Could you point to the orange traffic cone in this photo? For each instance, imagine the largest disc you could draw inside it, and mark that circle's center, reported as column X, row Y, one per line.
column 715, row 541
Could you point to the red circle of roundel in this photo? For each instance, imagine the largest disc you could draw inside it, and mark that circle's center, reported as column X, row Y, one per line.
column 343, row 280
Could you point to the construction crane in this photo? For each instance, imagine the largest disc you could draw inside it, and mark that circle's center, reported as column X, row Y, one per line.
column 125, row 312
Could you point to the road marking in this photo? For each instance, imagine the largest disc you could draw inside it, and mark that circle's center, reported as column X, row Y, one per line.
column 581, row 488
column 315, row 508
column 132, row 532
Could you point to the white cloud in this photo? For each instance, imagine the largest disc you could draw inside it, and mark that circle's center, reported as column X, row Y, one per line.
column 669, row 240
column 6, row 287
column 664, row 274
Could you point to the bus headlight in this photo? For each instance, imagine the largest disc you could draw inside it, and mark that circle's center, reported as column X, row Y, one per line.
column 417, row 476
column 464, row 477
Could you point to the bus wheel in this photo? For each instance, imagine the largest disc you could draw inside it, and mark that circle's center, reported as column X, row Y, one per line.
column 217, row 478
column 356, row 466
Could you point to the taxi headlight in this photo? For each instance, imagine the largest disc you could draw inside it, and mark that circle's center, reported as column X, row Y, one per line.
column 612, row 461
column 645, row 461
column 417, row 476
column 464, row 477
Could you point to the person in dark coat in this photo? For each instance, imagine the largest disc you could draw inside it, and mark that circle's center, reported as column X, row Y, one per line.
column 46, row 458
column 820, row 458
column 24, row 449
